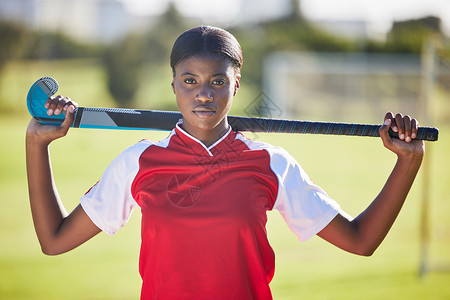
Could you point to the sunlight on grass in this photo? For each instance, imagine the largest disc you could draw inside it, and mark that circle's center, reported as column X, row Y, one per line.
column 351, row 170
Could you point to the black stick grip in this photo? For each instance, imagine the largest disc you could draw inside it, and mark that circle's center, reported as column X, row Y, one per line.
column 290, row 126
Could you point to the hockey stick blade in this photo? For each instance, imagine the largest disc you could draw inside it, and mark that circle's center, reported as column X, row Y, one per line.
column 135, row 119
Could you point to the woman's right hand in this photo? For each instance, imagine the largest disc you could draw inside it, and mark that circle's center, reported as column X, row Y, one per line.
column 47, row 133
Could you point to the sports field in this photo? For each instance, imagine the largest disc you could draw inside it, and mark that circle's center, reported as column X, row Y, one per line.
column 352, row 170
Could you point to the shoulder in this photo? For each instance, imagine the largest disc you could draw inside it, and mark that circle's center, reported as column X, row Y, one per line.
column 131, row 155
column 134, row 150
column 277, row 154
column 137, row 149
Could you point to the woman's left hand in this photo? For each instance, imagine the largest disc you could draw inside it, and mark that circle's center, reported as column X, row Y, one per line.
column 406, row 127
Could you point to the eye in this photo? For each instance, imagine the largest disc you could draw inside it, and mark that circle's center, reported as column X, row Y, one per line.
column 190, row 81
column 218, row 82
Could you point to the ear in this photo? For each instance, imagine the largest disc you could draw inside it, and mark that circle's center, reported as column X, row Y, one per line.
column 173, row 85
column 237, row 84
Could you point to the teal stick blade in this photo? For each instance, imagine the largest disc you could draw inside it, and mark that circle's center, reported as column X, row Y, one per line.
column 38, row 94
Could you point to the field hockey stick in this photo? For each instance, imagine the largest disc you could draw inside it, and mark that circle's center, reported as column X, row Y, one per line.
column 135, row 119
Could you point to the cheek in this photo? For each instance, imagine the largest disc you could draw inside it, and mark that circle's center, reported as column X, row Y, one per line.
column 180, row 93
column 227, row 98
column 179, row 99
column 227, row 92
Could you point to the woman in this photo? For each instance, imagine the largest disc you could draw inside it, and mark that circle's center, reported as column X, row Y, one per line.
column 204, row 190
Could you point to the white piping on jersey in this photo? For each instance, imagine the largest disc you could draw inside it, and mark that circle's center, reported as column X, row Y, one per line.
column 208, row 149
column 164, row 143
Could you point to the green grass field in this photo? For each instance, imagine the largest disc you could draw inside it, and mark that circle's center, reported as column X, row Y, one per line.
column 352, row 170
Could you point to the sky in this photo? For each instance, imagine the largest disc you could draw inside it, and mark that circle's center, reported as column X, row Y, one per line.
column 379, row 14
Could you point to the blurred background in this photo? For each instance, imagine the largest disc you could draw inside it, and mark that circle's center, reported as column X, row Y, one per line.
column 322, row 60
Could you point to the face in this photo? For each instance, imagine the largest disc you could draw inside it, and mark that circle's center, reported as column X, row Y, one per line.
column 204, row 87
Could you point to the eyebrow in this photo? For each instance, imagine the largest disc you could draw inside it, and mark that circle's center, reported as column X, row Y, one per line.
column 188, row 74
column 194, row 75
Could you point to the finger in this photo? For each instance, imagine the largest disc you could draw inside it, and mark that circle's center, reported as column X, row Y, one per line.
column 407, row 123
column 69, row 104
column 48, row 102
column 390, row 116
column 414, row 127
column 57, row 104
column 63, row 104
column 52, row 103
column 400, row 126
column 59, row 107
column 68, row 120
column 384, row 132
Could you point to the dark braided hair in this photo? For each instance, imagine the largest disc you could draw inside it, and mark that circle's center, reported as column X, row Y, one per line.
column 206, row 40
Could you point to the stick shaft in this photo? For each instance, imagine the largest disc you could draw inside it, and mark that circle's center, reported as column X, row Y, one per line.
column 108, row 118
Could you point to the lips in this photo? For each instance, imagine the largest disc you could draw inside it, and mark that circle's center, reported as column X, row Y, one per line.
column 204, row 111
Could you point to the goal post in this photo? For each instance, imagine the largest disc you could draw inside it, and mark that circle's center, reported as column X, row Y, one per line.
column 336, row 86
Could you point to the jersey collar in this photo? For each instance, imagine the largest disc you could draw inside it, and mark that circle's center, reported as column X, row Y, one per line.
column 221, row 146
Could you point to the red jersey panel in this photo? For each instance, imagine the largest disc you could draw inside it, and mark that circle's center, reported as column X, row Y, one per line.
column 204, row 212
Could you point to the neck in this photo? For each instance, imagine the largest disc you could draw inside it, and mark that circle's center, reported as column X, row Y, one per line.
column 207, row 136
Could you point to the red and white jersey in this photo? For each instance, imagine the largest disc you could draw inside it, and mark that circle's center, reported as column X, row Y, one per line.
column 204, row 212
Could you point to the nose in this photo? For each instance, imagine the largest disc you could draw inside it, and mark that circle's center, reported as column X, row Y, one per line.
column 204, row 94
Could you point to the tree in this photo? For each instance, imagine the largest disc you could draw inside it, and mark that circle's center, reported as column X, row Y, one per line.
column 125, row 60
column 122, row 63
column 11, row 39
column 408, row 36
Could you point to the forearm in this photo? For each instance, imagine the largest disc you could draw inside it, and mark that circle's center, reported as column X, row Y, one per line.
column 374, row 223
column 365, row 233
column 46, row 208
column 57, row 231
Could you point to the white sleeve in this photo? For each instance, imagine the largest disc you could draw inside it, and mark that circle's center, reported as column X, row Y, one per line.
column 305, row 207
column 109, row 203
